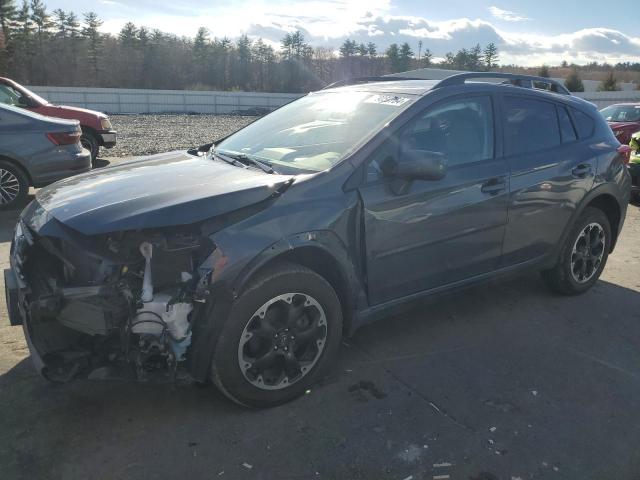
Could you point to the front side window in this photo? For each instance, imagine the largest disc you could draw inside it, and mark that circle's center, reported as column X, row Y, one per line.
column 530, row 125
column 316, row 132
column 9, row 96
column 462, row 130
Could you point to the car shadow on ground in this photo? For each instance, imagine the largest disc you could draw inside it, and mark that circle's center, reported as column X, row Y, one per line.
column 101, row 163
column 500, row 381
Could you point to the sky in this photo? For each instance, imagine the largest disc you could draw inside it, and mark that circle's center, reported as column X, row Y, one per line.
column 527, row 32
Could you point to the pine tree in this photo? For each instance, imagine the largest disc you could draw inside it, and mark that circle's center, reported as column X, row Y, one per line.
column 544, row 71
column 573, row 81
column 491, row 56
column 94, row 42
column 609, row 84
column 7, row 16
column 405, row 55
column 393, row 57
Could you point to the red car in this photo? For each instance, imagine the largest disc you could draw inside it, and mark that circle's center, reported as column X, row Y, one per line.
column 96, row 127
column 624, row 120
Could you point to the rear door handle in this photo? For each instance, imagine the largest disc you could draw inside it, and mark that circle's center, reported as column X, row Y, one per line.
column 581, row 170
column 494, row 186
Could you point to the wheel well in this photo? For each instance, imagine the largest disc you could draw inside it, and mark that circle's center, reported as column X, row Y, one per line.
column 325, row 265
column 19, row 167
column 608, row 204
column 92, row 131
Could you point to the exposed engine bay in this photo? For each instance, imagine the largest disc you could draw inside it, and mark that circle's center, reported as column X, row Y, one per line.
column 113, row 305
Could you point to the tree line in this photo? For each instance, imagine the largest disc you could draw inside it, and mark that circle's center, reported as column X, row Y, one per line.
column 39, row 47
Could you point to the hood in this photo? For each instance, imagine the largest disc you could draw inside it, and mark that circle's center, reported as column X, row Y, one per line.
column 51, row 109
column 158, row 191
column 622, row 125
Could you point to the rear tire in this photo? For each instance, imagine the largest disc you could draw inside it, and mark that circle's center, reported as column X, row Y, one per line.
column 14, row 186
column 257, row 363
column 89, row 141
column 583, row 256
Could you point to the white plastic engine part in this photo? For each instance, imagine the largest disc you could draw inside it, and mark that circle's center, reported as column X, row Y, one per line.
column 175, row 316
column 146, row 249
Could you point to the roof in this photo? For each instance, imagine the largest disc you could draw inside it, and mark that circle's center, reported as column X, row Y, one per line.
column 402, row 87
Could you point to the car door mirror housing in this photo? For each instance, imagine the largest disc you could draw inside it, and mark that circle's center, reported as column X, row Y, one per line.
column 416, row 165
column 27, row 102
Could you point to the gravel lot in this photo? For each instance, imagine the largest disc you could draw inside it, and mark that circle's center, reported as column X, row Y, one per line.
column 148, row 134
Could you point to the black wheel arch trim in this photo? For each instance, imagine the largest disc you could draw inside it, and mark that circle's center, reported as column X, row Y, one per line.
column 210, row 317
column 603, row 190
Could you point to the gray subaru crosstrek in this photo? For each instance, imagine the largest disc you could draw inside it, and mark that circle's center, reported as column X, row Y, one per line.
column 245, row 261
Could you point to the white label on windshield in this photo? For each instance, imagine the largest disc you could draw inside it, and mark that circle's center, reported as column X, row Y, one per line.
column 387, row 100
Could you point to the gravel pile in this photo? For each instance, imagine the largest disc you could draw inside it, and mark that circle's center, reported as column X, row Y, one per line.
column 148, row 134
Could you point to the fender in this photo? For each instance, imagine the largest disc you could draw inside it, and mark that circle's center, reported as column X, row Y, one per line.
column 211, row 317
column 609, row 189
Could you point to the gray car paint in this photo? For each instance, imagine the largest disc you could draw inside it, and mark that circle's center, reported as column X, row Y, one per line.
column 23, row 141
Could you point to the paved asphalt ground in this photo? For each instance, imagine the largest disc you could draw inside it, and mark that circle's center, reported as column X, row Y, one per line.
column 504, row 381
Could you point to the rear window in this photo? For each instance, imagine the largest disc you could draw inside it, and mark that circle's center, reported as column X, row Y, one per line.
column 566, row 127
column 531, row 125
column 584, row 123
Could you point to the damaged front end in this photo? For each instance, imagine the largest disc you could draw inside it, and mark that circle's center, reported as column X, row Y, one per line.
column 117, row 305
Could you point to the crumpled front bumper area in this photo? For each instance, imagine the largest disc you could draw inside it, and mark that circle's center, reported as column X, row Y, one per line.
column 97, row 306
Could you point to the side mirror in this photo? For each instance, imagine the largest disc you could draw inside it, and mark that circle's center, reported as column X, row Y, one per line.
column 27, row 102
column 416, row 165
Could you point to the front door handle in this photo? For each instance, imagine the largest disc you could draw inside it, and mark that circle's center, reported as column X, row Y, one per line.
column 494, row 186
column 581, row 170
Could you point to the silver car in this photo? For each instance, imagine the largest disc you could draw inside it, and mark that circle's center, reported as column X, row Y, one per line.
column 36, row 150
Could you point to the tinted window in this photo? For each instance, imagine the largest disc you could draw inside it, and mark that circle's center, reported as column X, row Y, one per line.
column 584, row 123
column 8, row 95
column 531, row 125
column 621, row 113
column 566, row 127
column 460, row 129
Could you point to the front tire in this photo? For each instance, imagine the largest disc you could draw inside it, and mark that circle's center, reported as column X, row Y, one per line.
column 583, row 255
column 14, row 186
column 281, row 336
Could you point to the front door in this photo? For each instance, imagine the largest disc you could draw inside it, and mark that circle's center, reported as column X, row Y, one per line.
column 426, row 233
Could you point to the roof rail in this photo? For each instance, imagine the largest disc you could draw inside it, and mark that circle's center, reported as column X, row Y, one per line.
column 359, row 80
column 525, row 81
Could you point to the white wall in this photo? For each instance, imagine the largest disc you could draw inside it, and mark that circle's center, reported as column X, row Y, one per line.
column 118, row 100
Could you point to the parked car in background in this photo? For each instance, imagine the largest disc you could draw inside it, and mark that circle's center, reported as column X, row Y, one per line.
column 634, row 165
column 97, row 130
column 624, row 120
column 245, row 262
column 36, row 150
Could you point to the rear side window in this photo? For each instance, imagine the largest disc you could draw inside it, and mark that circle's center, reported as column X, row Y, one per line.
column 531, row 125
column 584, row 123
column 566, row 127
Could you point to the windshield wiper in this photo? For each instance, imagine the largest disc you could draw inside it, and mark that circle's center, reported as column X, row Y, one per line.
column 247, row 160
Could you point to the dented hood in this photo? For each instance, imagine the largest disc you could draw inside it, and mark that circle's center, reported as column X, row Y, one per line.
column 158, row 191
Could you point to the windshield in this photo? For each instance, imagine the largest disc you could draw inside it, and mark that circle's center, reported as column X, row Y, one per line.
column 621, row 113
column 12, row 96
column 316, row 132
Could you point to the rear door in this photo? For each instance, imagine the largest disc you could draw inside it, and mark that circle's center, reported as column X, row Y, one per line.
column 428, row 233
column 551, row 171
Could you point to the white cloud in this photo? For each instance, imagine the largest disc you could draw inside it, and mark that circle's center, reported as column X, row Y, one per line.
column 506, row 15
column 328, row 23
